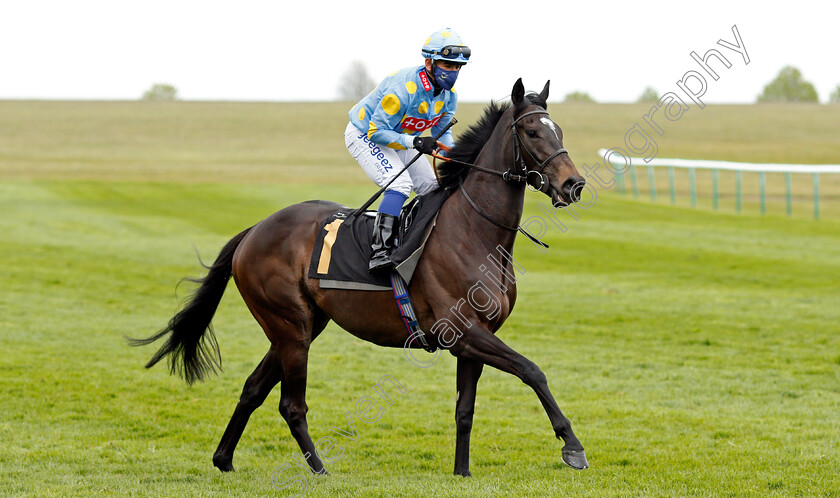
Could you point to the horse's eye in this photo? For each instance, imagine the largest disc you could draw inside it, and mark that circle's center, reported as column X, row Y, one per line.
column 531, row 133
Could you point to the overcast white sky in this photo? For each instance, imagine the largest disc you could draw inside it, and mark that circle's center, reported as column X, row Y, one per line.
column 285, row 50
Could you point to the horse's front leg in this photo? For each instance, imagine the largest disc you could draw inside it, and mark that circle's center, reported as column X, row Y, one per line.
column 468, row 373
column 479, row 344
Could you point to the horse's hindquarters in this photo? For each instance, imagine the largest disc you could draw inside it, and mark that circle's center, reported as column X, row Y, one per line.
column 271, row 263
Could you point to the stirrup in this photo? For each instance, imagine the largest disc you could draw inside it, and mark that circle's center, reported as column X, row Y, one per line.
column 378, row 264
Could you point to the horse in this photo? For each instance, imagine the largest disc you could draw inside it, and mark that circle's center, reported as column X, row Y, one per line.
column 512, row 145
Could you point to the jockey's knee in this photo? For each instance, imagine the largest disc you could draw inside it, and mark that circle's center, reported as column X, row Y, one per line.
column 403, row 185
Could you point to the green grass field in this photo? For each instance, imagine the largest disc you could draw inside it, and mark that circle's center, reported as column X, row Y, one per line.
column 697, row 353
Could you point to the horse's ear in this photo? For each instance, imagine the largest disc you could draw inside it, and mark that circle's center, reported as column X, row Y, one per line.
column 544, row 92
column 517, row 95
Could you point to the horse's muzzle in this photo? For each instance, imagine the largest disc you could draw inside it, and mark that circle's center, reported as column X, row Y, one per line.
column 570, row 191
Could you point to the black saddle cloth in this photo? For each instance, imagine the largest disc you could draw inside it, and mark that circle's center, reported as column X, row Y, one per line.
column 341, row 254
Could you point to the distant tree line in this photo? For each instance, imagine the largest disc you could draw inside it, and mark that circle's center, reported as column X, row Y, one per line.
column 788, row 86
column 355, row 83
column 161, row 92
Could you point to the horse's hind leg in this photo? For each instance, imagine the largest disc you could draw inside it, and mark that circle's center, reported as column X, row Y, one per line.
column 267, row 374
column 293, row 406
column 291, row 328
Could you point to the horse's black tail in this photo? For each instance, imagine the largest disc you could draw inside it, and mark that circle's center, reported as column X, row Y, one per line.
column 192, row 348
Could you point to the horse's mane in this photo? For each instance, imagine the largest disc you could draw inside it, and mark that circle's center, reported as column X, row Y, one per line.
column 470, row 143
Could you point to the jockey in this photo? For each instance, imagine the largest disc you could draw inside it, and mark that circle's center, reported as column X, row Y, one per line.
column 383, row 133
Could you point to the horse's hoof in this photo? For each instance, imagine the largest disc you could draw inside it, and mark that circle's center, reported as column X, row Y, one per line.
column 223, row 464
column 463, row 473
column 575, row 459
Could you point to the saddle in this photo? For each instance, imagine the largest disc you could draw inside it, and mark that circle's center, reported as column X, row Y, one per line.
column 342, row 250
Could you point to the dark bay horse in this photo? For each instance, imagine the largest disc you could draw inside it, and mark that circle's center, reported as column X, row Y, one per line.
column 509, row 147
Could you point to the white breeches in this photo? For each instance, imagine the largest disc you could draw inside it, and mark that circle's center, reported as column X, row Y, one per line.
column 381, row 164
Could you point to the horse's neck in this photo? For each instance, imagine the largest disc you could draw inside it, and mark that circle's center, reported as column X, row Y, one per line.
column 501, row 200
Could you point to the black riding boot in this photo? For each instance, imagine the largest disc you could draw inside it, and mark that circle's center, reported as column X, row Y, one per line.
column 385, row 231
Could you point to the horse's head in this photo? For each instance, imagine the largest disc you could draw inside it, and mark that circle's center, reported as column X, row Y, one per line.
column 539, row 148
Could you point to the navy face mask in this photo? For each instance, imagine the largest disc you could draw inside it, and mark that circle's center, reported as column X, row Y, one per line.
column 445, row 79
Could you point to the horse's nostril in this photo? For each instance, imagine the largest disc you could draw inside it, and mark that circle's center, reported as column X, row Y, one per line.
column 573, row 188
column 577, row 191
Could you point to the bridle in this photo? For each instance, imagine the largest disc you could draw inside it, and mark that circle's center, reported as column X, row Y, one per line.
column 517, row 154
column 515, row 174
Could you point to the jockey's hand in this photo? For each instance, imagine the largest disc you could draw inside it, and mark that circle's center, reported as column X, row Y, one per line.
column 426, row 145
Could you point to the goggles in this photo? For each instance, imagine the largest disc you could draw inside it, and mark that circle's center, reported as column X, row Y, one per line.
column 453, row 53
column 456, row 52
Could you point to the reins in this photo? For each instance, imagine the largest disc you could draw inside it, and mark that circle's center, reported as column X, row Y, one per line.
column 496, row 223
column 507, row 175
column 510, row 175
